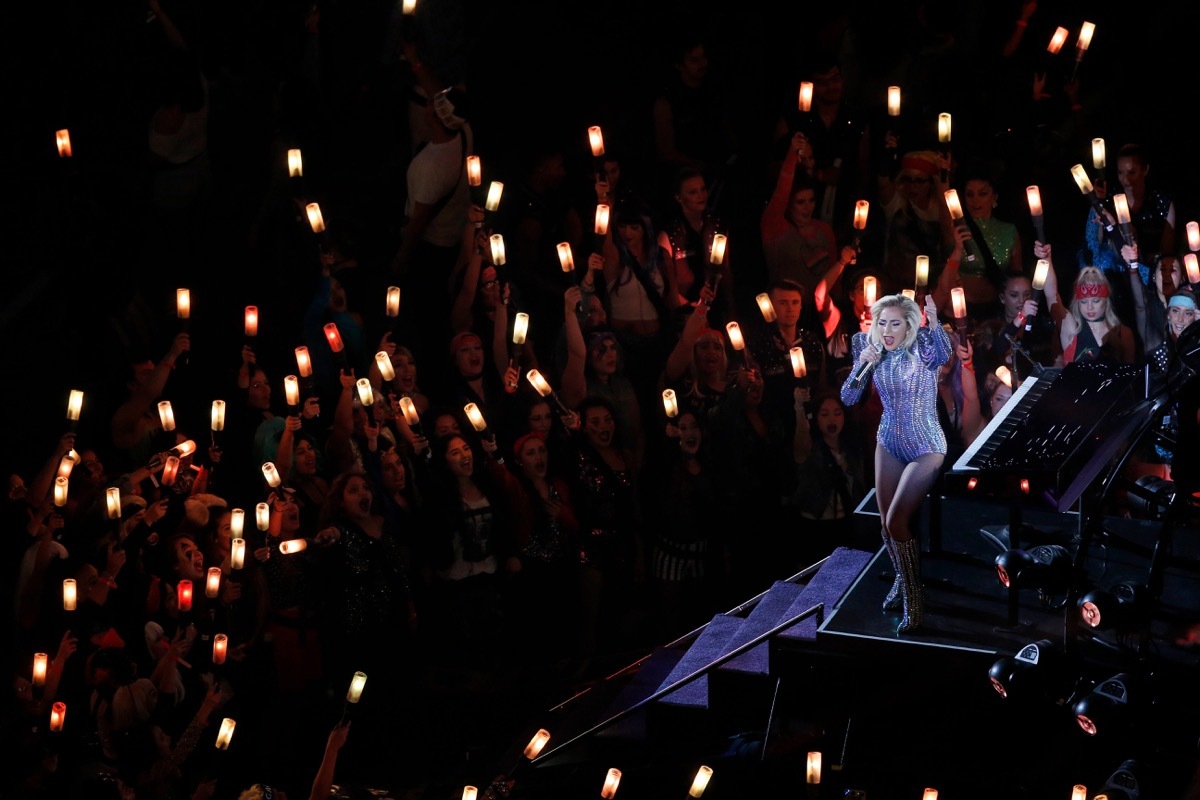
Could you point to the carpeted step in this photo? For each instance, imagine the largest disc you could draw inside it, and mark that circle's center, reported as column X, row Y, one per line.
column 649, row 677
column 771, row 610
column 829, row 584
column 712, row 643
column 684, row 713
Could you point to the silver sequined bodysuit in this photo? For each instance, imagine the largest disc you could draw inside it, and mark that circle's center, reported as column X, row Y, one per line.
column 908, row 389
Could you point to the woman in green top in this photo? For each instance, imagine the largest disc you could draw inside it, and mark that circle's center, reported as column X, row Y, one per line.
column 996, row 248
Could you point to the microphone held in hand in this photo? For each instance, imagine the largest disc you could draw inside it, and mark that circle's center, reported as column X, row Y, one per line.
column 864, row 369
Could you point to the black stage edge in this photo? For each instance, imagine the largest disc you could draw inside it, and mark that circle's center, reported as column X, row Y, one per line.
column 895, row 714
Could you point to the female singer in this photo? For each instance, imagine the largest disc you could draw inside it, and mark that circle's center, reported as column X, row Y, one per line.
column 906, row 359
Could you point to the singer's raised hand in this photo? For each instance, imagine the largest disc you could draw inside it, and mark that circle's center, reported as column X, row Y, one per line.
column 931, row 318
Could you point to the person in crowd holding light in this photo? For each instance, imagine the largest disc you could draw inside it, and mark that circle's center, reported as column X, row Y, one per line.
column 916, row 220
column 797, row 244
column 687, row 238
column 829, row 482
column 1132, row 262
column 1092, row 332
column 987, row 248
column 771, row 346
column 905, row 358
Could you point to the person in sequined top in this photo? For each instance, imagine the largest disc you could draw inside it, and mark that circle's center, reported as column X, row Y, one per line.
column 547, row 537
column 369, row 604
column 908, row 429
column 906, row 359
column 603, row 489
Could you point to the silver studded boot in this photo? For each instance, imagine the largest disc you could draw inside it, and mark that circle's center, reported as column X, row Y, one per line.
column 908, row 557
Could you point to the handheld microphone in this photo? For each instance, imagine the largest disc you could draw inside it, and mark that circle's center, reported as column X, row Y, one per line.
column 864, row 369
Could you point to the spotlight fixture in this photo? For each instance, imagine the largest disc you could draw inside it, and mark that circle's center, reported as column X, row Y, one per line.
column 1126, row 782
column 1121, row 607
column 1031, row 672
column 1150, row 497
column 1108, row 707
column 1046, row 568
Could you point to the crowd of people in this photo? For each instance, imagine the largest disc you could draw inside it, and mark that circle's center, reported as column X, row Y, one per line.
column 517, row 441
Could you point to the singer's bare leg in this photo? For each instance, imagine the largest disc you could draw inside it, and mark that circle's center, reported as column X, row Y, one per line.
column 901, row 488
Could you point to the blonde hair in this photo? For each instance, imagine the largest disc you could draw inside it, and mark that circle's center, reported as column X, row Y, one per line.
column 1093, row 276
column 912, row 316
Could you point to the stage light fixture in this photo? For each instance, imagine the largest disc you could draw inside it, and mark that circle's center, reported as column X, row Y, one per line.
column 1108, row 707
column 1151, row 497
column 1030, row 672
column 1046, row 568
column 1126, row 781
column 1120, row 607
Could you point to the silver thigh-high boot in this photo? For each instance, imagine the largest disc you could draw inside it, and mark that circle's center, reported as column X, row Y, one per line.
column 893, row 600
column 908, row 557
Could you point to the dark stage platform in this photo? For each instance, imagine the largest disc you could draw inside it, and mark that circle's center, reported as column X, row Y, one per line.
column 970, row 612
column 894, row 714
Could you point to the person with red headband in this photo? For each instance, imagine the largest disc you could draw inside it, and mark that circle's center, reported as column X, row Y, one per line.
column 1092, row 332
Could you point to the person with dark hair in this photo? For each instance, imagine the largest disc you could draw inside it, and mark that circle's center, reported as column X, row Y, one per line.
column 905, row 358
column 638, row 289
column 687, row 239
column 536, row 215
column 797, row 244
column 604, row 479
column 829, row 479
column 469, row 544
column 691, row 125
column 485, row 306
column 299, row 461
column 614, row 183
column 988, row 250
column 1132, row 266
column 994, row 336
column 477, row 378
column 368, row 616
column 337, row 297
column 595, row 367
column 547, row 540
column 684, row 511
column 839, row 144
column 771, row 347
column 437, row 201
column 135, row 426
column 958, row 405
column 369, row 583
column 698, row 369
